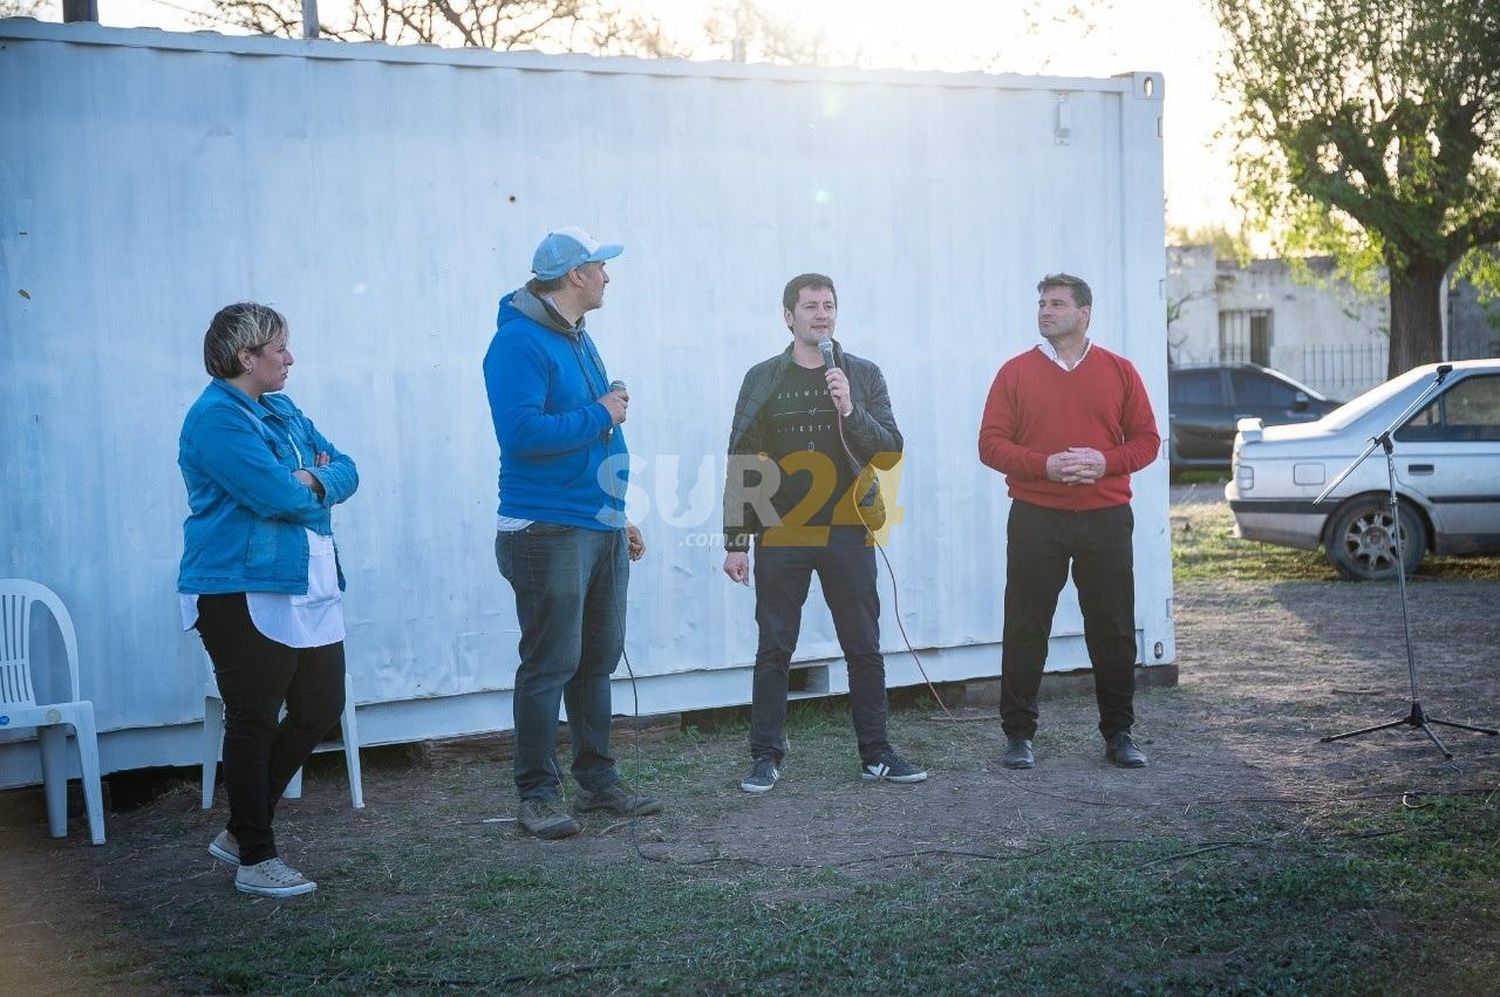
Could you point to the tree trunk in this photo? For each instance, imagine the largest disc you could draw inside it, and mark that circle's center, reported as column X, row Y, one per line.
column 80, row 10
column 1416, row 314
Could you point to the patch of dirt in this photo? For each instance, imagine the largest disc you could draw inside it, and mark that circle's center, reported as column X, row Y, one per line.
column 1265, row 671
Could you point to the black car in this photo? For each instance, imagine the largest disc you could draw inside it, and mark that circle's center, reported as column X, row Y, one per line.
column 1205, row 403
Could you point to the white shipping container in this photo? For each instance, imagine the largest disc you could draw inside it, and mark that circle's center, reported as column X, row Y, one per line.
column 385, row 197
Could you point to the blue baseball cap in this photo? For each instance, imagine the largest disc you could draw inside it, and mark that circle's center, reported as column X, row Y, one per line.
column 566, row 248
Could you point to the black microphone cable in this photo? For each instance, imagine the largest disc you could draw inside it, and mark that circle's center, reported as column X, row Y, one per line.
column 635, row 694
column 825, row 347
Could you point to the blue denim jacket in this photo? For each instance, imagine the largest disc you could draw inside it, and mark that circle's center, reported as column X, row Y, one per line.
column 245, row 531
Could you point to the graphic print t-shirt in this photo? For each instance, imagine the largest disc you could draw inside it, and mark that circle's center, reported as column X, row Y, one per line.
column 802, row 436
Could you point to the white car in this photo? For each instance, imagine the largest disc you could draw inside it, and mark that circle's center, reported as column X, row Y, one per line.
column 1447, row 460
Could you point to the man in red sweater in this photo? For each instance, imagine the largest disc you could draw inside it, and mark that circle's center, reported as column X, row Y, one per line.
column 1067, row 423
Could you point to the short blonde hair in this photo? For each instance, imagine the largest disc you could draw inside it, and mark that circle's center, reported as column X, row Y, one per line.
column 242, row 326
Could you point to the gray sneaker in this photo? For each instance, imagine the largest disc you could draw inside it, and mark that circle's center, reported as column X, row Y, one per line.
column 618, row 800
column 225, row 848
column 272, row 878
column 1121, row 751
column 762, row 777
column 891, row 767
column 1018, row 754
column 543, row 817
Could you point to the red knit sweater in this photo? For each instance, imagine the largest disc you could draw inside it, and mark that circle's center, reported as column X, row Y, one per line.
column 1037, row 409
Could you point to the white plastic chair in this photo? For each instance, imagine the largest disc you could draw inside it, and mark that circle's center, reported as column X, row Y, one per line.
column 19, row 708
column 213, row 743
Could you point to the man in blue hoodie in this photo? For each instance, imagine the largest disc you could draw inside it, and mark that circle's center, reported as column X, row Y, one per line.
column 563, row 541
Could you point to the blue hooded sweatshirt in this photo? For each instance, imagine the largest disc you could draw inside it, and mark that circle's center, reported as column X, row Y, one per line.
column 561, row 458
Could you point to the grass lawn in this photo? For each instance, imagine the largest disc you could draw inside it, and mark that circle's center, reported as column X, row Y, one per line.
column 1204, row 548
column 1228, row 866
column 1362, row 896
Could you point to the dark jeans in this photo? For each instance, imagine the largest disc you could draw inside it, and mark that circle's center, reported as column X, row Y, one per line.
column 846, row 571
column 570, row 588
column 262, row 750
column 1040, row 544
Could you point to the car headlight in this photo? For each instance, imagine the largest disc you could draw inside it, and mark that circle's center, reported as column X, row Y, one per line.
column 1244, row 477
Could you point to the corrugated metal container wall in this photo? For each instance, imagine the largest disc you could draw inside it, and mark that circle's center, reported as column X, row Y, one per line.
column 384, row 199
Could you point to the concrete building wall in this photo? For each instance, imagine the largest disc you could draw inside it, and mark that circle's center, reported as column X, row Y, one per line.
column 1323, row 331
column 1317, row 328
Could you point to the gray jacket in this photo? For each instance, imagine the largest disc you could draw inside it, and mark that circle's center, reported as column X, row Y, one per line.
column 870, row 431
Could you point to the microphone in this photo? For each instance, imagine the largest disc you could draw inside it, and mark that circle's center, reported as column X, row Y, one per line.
column 825, row 347
column 616, row 387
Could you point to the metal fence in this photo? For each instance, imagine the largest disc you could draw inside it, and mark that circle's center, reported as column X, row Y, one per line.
column 1339, row 370
column 1343, row 370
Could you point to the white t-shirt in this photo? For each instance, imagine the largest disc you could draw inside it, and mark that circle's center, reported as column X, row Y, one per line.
column 312, row 620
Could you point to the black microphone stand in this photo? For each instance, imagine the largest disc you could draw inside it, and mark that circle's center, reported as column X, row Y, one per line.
column 1416, row 718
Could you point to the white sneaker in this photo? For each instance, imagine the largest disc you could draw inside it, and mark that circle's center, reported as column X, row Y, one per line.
column 225, row 848
column 272, row 878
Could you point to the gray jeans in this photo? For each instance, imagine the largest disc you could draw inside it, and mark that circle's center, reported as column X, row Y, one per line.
column 570, row 588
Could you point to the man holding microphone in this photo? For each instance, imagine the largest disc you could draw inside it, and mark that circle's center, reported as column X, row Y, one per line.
column 562, row 540
column 810, row 426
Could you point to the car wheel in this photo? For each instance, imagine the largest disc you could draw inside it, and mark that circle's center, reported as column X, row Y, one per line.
column 1361, row 544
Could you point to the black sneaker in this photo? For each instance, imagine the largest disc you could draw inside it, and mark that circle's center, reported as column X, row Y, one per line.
column 891, row 767
column 762, row 777
column 618, row 800
column 543, row 817
column 1121, row 750
column 1018, row 754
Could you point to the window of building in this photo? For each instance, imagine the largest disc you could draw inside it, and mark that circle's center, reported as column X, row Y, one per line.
column 1245, row 335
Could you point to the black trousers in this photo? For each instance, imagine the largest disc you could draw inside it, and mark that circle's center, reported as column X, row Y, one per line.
column 846, row 571
column 1041, row 544
column 262, row 750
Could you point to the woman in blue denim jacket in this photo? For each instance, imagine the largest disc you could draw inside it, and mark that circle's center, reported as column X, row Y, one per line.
column 260, row 578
